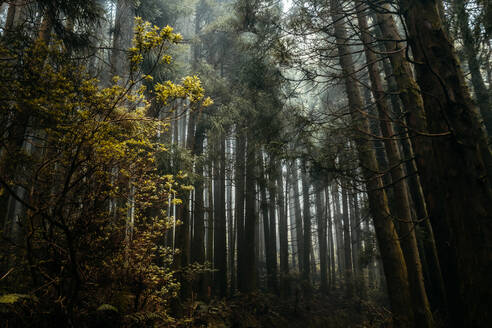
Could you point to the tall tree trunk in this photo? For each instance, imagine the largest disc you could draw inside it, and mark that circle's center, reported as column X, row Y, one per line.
column 405, row 86
column 420, row 302
column 239, row 203
column 306, row 271
column 122, row 39
column 231, row 220
column 198, row 246
column 264, row 207
column 392, row 257
column 330, row 238
column 337, row 218
column 249, row 256
column 282, row 232
column 272, row 192
column 210, row 229
column 220, row 238
column 347, row 242
column 292, row 220
column 471, row 49
column 16, row 15
column 321, row 223
column 298, row 216
column 456, row 179
column 355, row 229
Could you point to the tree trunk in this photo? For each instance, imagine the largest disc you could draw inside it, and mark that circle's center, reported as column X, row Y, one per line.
column 349, row 277
column 355, row 229
column 471, row 49
column 249, row 256
column 298, row 217
column 330, row 238
column 337, row 218
column 272, row 191
column 456, row 179
column 321, row 223
column 264, row 207
column 239, row 203
column 411, row 99
column 306, row 271
column 220, row 239
column 392, row 257
column 122, row 39
column 420, row 302
column 292, row 220
column 282, row 232
column 16, row 15
column 210, row 227
column 198, row 250
column 231, row 220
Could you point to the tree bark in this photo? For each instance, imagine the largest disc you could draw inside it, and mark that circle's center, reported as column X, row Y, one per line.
column 456, row 180
column 265, row 214
column 298, row 217
column 220, row 239
column 282, row 232
column 420, row 302
column 306, row 270
column 471, row 49
column 392, row 257
column 239, row 203
column 330, row 238
column 198, row 246
column 272, row 192
column 410, row 96
column 337, row 218
column 347, row 242
column 321, row 223
column 249, row 256
column 122, row 39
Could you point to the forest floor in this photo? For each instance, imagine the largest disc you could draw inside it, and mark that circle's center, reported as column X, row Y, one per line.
column 257, row 310
column 265, row 310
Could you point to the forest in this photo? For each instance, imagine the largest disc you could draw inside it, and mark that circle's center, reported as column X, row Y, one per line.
column 246, row 163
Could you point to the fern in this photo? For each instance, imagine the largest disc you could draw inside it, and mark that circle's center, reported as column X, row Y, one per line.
column 107, row 307
column 14, row 298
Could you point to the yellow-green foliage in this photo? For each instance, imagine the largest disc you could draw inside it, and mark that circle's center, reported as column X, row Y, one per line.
column 14, row 298
column 97, row 212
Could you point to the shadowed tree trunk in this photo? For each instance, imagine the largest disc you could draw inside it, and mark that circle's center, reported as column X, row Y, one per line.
column 321, row 223
column 471, row 49
column 347, row 242
column 249, row 283
column 391, row 254
column 330, row 238
column 298, row 217
column 282, row 232
column 423, row 315
column 456, row 175
column 337, row 218
column 306, row 270
column 198, row 244
column 220, row 239
column 239, row 203
column 122, row 39
column 272, row 192
column 265, row 214
column 408, row 91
